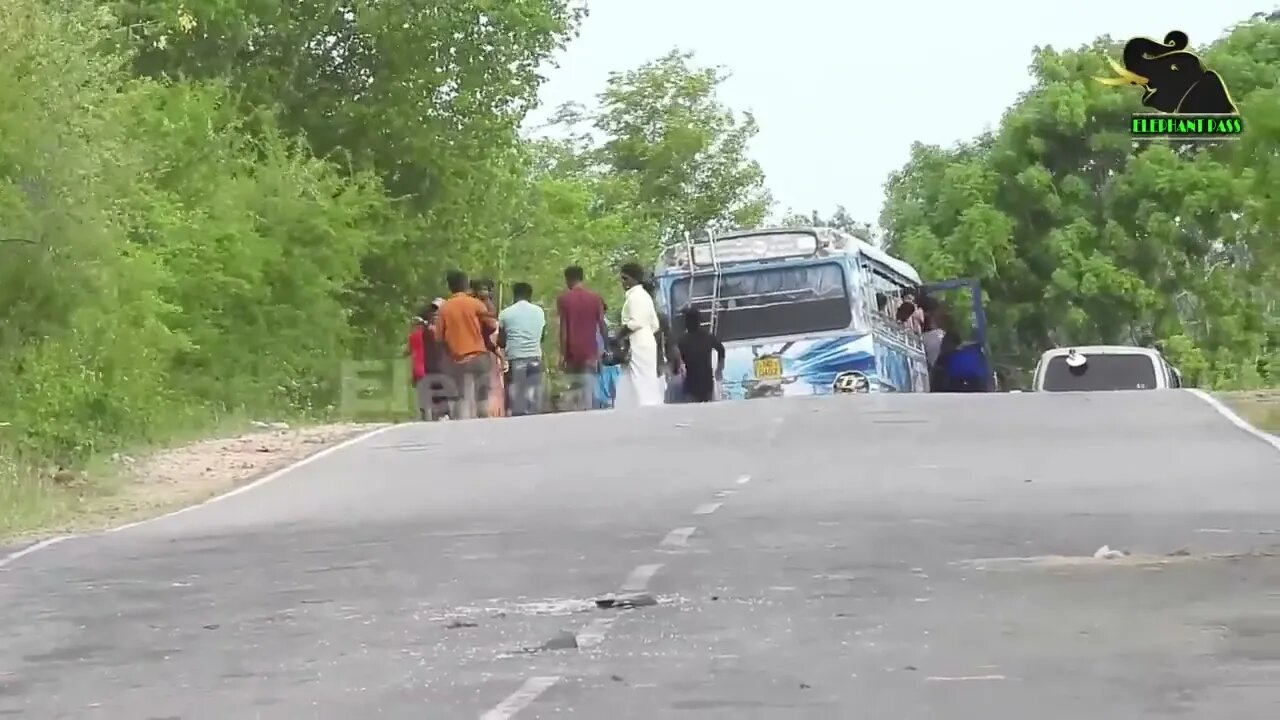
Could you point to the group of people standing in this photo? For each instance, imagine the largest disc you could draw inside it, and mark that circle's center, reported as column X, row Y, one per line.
column 642, row 362
column 458, row 355
column 469, row 360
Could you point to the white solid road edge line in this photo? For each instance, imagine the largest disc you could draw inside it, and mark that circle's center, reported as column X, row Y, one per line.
column 1235, row 419
column 522, row 698
column 32, row 548
column 273, row 475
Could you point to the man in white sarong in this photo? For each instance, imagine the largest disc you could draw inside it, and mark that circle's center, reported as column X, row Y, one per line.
column 640, row 383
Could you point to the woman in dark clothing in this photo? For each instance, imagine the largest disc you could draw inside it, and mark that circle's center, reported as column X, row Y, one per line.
column 696, row 347
column 427, row 355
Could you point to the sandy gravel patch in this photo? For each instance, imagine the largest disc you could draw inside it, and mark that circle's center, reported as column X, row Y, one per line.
column 192, row 473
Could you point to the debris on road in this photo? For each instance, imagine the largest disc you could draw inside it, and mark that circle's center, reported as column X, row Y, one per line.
column 629, row 600
column 1106, row 553
column 455, row 624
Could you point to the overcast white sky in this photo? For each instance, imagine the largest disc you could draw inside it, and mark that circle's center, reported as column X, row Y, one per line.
column 805, row 67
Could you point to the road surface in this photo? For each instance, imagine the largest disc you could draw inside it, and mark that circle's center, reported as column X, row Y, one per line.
column 870, row 557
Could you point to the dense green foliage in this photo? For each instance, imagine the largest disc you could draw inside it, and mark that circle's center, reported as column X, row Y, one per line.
column 1081, row 235
column 206, row 206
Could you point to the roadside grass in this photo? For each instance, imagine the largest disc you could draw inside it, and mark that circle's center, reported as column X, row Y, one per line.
column 107, row 489
column 36, row 499
column 1259, row 407
column 28, row 501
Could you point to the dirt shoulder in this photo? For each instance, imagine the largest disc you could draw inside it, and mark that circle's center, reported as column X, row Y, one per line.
column 1259, row 407
column 130, row 488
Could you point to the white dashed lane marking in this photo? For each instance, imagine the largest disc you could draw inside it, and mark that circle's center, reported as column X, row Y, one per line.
column 639, row 578
column 522, row 698
column 678, row 537
column 593, row 633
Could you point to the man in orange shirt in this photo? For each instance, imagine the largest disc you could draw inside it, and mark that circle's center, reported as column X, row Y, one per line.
column 462, row 324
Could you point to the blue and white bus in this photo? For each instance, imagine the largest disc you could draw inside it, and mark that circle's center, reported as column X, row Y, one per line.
column 796, row 310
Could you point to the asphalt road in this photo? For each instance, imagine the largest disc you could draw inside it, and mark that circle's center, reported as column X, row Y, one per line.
column 870, row 557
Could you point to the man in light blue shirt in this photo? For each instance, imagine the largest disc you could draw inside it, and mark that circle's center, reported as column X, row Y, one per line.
column 523, row 326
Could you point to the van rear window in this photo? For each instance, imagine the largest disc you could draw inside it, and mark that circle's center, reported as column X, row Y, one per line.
column 1101, row 372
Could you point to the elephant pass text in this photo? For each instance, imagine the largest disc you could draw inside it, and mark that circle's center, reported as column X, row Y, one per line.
column 1186, row 127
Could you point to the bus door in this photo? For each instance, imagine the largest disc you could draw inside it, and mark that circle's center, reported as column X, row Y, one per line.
column 962, row 298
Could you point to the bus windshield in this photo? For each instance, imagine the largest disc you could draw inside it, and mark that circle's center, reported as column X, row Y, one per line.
column 771, row 302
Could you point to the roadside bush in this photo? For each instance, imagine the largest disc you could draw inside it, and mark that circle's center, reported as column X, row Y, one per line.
column 161, row 265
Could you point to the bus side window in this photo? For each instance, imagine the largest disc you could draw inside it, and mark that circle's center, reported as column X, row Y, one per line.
column 890, row 290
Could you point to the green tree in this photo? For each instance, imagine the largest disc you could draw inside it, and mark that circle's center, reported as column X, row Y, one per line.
column 673, row 147
column 169, row 266
column 427, row 95
column 1081, row 235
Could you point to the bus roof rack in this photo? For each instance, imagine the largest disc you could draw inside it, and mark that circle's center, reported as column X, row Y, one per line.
column 693, row 254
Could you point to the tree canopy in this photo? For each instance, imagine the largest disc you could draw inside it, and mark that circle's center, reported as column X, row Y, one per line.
column 1081, row 234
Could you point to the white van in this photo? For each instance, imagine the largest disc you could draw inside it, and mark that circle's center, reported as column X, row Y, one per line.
column 1094, row 368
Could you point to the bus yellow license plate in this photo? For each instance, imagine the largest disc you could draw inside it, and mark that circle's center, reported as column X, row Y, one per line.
column 768, row 368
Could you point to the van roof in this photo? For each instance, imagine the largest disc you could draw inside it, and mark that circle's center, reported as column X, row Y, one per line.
column 1100, row 350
